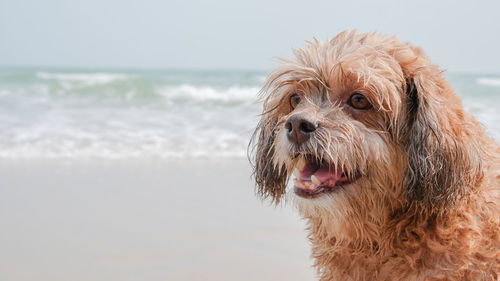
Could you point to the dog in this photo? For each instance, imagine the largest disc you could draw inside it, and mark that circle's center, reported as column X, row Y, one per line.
column 395, row 180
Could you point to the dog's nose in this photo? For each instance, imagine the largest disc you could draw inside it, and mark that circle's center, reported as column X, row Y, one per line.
column 299, row 129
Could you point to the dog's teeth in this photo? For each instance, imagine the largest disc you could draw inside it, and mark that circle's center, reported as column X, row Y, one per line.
column 315, row 180
column 310, row 186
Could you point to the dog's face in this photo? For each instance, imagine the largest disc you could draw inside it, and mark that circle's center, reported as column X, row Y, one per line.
column 360, row 122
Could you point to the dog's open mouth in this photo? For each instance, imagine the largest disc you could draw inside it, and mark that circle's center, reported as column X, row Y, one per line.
column 316, row 177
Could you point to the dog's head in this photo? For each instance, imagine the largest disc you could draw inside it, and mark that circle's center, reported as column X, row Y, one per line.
column 367, row 125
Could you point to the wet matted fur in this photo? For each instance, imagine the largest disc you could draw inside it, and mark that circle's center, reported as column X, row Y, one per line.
column 426, row 202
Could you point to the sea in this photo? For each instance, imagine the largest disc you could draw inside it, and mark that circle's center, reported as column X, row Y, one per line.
column 117, row 113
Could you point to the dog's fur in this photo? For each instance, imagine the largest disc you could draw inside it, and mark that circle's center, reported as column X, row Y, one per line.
column 427, row 204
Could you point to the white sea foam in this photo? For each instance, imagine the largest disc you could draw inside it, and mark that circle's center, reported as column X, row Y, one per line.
column 205, row 93
column 488, row 116
column 488, row 81
column 84, row 78
column 62, row 142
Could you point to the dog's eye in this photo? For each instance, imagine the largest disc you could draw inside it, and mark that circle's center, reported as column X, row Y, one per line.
column 294, row 100
column 359, row 101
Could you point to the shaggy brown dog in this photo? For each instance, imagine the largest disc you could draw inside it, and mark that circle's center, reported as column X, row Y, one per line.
column 395, row 179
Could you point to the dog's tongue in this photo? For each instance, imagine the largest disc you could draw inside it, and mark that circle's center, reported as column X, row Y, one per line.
column 322, row 173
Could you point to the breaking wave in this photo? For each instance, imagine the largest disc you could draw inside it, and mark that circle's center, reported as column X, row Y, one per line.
column 126, row 115
column 488, row 81
column 85, row 78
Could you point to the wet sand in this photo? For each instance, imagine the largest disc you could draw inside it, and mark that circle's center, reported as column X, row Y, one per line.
column 144, row 220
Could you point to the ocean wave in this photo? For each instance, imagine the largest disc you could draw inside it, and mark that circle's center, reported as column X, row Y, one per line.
column 488, row 81
column 95, row 78
column 109, row 85
column 487, row 116
column 123, row 145
column 206, row 93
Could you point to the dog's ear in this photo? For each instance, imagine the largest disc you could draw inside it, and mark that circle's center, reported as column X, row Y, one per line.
column 444, row 160
column 270, row 180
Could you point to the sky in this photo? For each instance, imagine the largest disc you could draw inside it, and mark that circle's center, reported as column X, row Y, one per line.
column 231, row 34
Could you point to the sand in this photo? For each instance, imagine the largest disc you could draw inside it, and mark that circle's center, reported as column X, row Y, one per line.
column 144, row 220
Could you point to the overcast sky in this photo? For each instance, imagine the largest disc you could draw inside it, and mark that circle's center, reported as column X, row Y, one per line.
column 228, row 34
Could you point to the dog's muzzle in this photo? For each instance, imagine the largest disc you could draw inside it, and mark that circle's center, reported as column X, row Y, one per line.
column 299, row 129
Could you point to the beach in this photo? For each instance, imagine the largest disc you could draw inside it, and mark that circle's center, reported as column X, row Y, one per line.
column 144, row 220
column 143, row 175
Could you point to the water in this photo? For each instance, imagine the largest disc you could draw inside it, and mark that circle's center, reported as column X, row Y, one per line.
column 182, row 114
